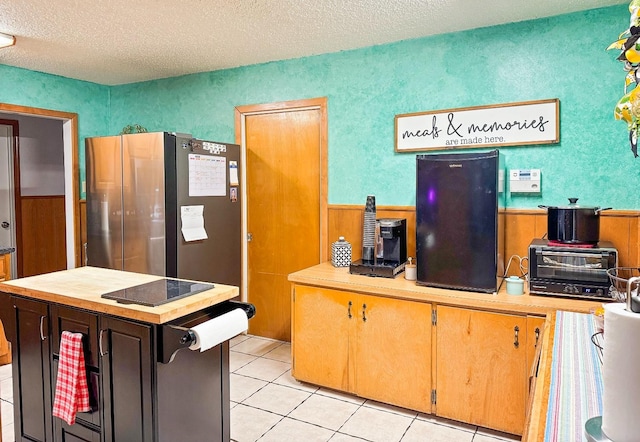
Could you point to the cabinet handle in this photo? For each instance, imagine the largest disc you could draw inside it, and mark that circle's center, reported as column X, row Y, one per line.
column 537, row 336
column 364, row 315
column 349, row 309
column 102, row 353
column 516, row 343
column 42, row 336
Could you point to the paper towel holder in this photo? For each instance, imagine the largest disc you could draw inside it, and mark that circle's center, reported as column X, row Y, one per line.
column 630, row 303
column 593, row 426
column 173, row 337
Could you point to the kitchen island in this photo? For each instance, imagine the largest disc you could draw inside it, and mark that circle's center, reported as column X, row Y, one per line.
column 465, row 356
column 144, row 384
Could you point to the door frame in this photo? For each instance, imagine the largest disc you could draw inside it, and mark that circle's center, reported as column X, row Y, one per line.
column 16, row 263
column 241, row 112
column 71, row 172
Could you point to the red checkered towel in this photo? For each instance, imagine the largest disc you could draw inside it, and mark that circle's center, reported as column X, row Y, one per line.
column 72, row 392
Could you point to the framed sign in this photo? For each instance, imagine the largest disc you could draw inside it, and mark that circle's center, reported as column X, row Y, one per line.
column 511, row 124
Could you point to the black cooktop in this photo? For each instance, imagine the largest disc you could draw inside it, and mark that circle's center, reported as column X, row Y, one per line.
column 158, row 292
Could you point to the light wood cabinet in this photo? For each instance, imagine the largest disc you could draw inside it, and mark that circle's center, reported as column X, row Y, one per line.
column 481, row 368
column 5, row 267
column 5, row 275
column 374, row 347
column 468, row 358
column 320, row 341
column 393, row 351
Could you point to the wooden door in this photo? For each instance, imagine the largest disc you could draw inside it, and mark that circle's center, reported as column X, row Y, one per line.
column 393, row 352
column 323, row 322
column 481, row 375
column 286, row 201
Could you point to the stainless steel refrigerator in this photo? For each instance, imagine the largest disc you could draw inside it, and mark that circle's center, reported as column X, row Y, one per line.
column 164, row 204
column 459, row 227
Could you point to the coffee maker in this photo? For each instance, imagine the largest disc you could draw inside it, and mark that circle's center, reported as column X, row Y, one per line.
column 390, row 250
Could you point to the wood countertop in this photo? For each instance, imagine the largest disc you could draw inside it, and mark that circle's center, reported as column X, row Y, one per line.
column 327, row 276
column 83, row 286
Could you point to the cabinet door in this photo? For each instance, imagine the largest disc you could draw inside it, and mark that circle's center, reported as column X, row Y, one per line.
column 31, row 371
column 75, row 433
column 322, row 321
column 126, row 380
column 393, row 352
column 535, row 324
column 481, row 373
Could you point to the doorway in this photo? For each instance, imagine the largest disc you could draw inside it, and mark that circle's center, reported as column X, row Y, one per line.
column 70, row 203
column 8, row 131
column 285, row 156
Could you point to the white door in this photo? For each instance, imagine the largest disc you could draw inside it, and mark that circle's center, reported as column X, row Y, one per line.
column 7, row 217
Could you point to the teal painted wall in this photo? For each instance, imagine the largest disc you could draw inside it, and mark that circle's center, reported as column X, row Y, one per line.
column 35, row 89
column 561, row 57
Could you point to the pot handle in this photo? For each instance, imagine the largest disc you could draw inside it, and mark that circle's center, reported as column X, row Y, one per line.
column 600, row 210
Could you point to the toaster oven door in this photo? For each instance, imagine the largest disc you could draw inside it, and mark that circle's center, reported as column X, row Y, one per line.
column 572, row 266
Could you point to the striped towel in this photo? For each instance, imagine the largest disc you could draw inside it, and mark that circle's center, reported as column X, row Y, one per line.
column 72, row 392
column 575, row 392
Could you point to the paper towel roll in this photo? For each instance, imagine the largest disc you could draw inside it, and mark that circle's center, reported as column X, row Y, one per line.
column 219, row 329
column 621, row 361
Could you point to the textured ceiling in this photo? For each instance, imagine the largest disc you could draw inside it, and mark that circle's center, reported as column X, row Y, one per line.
column 124, row 41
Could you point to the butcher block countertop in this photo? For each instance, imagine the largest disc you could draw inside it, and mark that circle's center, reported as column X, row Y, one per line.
column 326, row 276
column 83, row 286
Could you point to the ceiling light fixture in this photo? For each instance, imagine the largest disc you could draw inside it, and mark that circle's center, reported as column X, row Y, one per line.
column 6, row 40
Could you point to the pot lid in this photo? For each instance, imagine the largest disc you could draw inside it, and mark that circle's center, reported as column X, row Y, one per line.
column 573, row 204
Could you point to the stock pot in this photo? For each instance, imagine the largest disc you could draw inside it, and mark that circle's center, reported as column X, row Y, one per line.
column 573, row 224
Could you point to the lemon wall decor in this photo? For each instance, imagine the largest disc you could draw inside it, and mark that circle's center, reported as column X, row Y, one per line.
column 628, row 107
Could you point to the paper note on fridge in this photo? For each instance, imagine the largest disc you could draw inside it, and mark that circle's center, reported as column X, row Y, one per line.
column 193, row 223
column 233, row 173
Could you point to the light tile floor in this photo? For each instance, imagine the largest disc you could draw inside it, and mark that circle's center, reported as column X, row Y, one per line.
column 267, row 404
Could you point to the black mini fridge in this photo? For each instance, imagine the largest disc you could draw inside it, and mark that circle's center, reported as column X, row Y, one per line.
column 459, row 228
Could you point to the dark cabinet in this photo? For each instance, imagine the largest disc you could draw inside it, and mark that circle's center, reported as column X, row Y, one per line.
column 146, row 400
column 127, row 364
column 31, row 370
column 138, row 391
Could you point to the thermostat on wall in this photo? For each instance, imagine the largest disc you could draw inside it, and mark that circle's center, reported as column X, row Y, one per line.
column 524, row 181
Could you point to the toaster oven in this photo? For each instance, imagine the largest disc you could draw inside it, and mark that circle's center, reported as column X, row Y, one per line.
column 571, row 271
